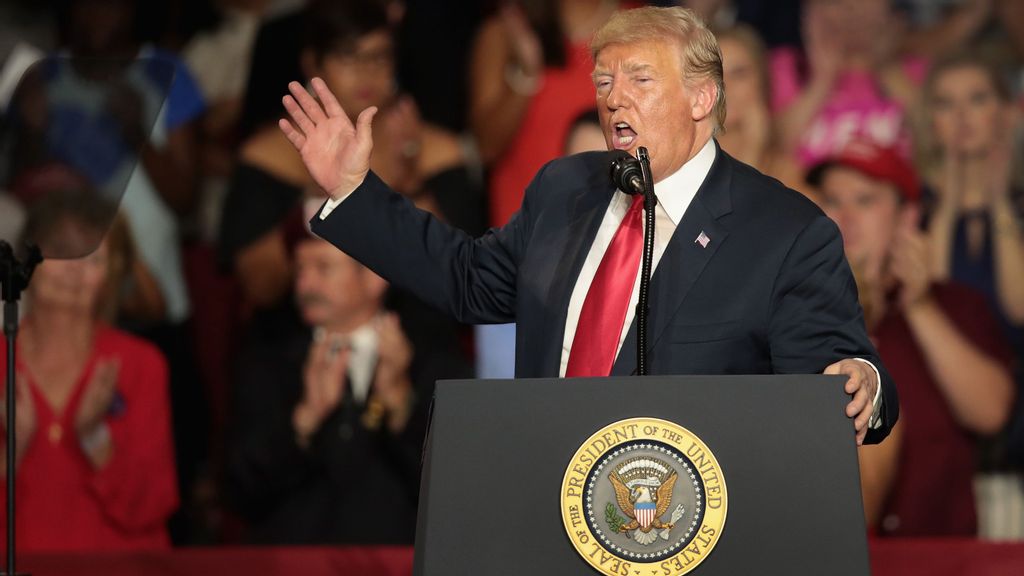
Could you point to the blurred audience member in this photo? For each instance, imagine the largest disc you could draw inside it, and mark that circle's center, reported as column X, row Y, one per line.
column 162, row 188
column 496, row 343
column 95, row 457
column 718, row 14
column 161, row 191
column 349, row 45
column 937, row 340
column 976, row 229
column 585, row 134
column 974, row 181
column 934, row 28
column 139, row 295
column 438, row 77
column 219, row 57
column 529, row 77
column 849, row 81
column 330, row 415
column 750, row 135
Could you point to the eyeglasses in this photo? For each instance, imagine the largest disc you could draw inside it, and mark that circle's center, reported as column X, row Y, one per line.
column 371, row 60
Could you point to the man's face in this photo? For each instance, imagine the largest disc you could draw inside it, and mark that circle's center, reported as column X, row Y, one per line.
column 867, row 212
column 331, row 288
column 643, row 100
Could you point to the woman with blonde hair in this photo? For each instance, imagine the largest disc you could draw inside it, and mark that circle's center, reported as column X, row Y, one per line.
column 750, row 133
column 975, row 220
column 95, row 463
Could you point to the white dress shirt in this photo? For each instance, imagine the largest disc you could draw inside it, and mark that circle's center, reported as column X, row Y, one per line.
column 674, row 195
column 362, row 344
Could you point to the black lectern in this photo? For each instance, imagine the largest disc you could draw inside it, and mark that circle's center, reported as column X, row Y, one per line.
column 500, row 455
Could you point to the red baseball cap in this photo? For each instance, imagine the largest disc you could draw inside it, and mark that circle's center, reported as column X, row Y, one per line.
column 884, row 163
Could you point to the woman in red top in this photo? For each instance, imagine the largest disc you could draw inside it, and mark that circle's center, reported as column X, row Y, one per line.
column 95, row 466
column 529, row 78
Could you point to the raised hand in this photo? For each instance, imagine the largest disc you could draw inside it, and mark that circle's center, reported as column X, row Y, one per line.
column 336, row 152
column 1001, row 159
column 909, row 260
column 823, row 45
column 527, row 51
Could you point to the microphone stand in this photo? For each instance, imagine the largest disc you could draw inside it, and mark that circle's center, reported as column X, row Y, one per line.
column 14, row 276
column 647, row 262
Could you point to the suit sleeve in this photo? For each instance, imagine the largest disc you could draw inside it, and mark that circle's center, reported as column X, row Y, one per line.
column 816, row 318
column 474, row 280
column 263, row 462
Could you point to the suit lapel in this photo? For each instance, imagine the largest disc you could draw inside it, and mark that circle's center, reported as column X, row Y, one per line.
column 589, row 207
column 684, row 259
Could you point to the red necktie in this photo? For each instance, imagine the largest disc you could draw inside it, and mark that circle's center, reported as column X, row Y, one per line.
column 604, row 309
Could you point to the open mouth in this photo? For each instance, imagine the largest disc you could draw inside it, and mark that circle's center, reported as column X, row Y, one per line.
column 623, row 135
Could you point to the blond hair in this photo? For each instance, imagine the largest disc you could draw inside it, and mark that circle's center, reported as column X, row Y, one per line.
column 701, row 58
column 928, row 152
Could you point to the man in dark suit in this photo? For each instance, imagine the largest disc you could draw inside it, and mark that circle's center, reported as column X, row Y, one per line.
column 330, row 412
column 749, row 276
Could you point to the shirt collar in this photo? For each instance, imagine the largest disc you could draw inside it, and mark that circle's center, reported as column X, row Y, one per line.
column 364, row 339
column 677, row 190
column 362, row 361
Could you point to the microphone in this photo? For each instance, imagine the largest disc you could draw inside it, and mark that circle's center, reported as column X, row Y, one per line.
column 626, row 173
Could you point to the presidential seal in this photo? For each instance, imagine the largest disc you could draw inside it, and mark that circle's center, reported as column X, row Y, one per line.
column 644, row 496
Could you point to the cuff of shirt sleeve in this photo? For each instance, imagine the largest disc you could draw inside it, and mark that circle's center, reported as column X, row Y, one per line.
column 875, row 421
column 330, row 205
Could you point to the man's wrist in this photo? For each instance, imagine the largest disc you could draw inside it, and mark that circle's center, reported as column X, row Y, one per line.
column 338, row 195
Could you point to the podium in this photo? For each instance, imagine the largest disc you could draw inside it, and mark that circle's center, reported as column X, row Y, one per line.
column 498, row 473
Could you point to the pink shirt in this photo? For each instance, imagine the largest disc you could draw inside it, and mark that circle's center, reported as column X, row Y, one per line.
column 857, row 107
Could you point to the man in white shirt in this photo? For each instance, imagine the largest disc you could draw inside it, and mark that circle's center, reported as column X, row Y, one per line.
column 750, row 276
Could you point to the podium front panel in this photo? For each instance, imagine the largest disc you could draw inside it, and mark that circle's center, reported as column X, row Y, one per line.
column 498, row 450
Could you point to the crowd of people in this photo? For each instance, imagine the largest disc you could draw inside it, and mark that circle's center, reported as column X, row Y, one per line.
column 215, row 373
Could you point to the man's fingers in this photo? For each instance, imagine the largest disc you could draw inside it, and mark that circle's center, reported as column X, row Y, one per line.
column 309, row 105
column 330, row 103
column 299, row 117
column 364, row 123
column 298, row 139
column 861, row 421
column 832, row 370
column 855, row 380
column 857, row 405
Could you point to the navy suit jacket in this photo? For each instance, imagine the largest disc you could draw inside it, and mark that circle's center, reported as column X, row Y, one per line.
column 770, row 293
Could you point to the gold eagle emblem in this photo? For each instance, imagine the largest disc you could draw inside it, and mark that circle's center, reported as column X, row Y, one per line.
column 643, row 491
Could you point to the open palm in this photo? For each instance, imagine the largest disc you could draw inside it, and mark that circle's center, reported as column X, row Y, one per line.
column 336, row 153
